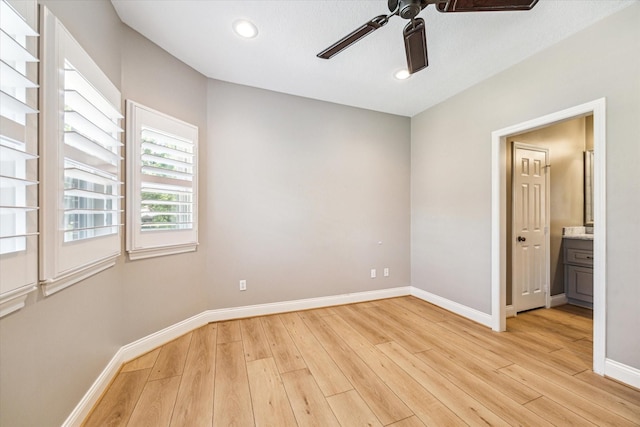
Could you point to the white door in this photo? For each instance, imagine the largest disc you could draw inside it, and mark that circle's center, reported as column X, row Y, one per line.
column 530, row 228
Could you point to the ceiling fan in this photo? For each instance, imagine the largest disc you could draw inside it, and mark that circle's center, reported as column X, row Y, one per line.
column 415, row 40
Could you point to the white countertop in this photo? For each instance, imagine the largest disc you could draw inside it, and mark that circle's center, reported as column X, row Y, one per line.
column 578, row 233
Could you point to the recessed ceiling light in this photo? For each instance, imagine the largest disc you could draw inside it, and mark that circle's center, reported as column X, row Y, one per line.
column 402, row 74
column 245, row 29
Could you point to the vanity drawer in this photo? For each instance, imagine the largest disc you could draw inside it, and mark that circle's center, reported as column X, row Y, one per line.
column 579, row 257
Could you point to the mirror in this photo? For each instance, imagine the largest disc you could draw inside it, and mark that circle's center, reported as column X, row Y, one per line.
column 588, row 187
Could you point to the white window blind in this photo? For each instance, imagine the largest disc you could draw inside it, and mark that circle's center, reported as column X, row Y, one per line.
column 91, row 160
column 18, row 155
column 162, row 185
column 81, row 147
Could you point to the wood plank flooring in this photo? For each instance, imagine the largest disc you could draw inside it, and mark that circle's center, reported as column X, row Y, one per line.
column 398, row 362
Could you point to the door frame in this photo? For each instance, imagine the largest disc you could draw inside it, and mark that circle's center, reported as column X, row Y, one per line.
column 547, row 223
column 498, row 218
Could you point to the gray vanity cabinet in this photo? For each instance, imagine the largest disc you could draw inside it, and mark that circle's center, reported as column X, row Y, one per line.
column 578, row 271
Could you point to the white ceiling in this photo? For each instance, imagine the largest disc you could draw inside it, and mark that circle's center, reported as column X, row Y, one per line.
column 464, row 48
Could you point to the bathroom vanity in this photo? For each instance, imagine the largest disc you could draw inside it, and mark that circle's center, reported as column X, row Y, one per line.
column 577, row 243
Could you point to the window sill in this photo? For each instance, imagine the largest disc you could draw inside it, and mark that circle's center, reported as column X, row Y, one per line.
column 15, row 300
column 135, row 254
column 51, row 286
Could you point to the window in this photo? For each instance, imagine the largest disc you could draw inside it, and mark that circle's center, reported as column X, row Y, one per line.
column 81, row 167
column 162, row 197
column 18, row 155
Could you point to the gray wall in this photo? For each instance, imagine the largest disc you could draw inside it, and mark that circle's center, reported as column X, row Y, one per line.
column 159, row 292
column 451, row 168
column 301, row 193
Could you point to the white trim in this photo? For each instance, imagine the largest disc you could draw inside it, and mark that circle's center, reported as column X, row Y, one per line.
column 510, row 311
column 559, row 299
column 15, row 300
column 159, row 338
column 136, row 254
column 454, row 307
column 621, row 372
column 498, row 215
column 154, row 340
column 91, row 397
column 599, row 237
column 53, row 285
column 554, row 301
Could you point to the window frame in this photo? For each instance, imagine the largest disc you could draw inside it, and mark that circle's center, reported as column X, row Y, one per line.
column 18, row 154
column 63, row 264
column 143, row 244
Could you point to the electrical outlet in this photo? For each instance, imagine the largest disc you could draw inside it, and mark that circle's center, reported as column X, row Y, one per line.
column 386, row 272
column 373, row 273
column 243, row 285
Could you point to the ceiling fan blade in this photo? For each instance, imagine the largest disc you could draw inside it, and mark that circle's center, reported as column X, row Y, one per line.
column 484, row 5
column 415, row 45
column 345, row 42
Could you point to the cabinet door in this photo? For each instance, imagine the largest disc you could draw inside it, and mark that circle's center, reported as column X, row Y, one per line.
column 579, row 282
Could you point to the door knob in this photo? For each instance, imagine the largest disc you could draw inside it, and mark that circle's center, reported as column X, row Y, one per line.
column 522, row 239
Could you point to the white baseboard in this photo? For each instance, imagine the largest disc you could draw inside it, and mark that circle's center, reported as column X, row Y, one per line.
column 304, row 304
column 92, row 395
column 559, row 299
column 152, row 341
column 554, row 301
column 143, row 345
column 623, row 373
column 462, row 310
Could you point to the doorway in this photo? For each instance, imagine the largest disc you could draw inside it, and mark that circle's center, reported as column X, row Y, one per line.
column 499, row 218
column 565, row 203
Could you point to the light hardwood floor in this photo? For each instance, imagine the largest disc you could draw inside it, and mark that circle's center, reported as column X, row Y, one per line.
column 399, row 362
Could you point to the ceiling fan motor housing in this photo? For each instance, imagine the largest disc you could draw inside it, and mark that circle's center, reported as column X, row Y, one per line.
column 407, row 9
